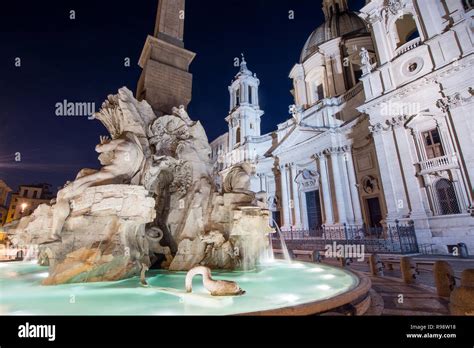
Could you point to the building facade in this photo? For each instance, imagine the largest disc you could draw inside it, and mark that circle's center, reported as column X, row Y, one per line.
column 379, row 132
column 27, row 199
column 4, row 191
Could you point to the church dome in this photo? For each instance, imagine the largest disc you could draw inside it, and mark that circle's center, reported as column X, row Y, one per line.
column 342, row 24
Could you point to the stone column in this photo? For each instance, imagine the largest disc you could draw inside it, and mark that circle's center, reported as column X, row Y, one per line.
column 285, row 207
column 231, row 99
column 378, row 34
column 331, row 88
column 463, row 198
column 327, row 197
column 354, row 188
column 390, row 172
column 408, row 160
column 431, row 18
column 245, row 93
column 336, row 173
column 290, row 203
column 458, row 111
column 346, row 186
column 296, row 198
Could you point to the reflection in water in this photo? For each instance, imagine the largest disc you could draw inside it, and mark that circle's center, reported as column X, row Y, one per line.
column 273, row 285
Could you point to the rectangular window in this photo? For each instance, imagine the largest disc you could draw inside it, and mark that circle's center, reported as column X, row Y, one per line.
column 25, row 193
column 432, row 141
column 320, row 92
column 250, row 95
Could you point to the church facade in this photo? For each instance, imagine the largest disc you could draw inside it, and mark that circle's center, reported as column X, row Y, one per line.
column 381, row 129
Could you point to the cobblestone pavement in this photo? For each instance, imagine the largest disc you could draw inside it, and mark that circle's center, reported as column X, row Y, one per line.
column 393, row 297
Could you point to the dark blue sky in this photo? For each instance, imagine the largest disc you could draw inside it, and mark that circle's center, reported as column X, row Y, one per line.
column 82, row 60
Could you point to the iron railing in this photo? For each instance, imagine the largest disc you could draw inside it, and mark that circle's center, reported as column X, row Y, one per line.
column 392, row 239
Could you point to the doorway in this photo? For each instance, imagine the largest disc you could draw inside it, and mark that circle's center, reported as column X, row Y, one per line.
column 313, row 210
column 374, row 212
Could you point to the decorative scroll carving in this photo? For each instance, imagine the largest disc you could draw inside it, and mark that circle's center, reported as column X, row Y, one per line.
column 370, row 184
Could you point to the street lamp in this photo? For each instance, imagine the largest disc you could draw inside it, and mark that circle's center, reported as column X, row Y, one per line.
column 23, row 207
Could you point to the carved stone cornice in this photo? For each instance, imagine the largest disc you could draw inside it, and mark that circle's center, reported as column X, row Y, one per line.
column 336, row 150
column 397, row 94
column 453, row 101
column 321, row 156
column 397, row 121
column 378, row 128
column 373, row 18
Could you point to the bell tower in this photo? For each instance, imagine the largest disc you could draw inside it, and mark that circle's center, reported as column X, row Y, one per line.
column 244, row 114
column 165, row 81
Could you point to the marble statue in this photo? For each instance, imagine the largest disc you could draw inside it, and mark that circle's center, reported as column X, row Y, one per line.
column 365, row 61
column 153, row 203
column 215, row 287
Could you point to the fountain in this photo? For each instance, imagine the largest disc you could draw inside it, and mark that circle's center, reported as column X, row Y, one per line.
column 154, row 205
column 284, row 248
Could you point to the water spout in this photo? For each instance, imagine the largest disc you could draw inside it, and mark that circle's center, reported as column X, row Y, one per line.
column 284, row 248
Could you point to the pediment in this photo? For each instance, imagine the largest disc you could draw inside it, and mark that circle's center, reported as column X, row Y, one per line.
column 298, row 136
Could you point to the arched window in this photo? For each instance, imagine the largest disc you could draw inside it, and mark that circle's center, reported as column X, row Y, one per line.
column 447, row 197
column 237, row 97
column 237, row 135
column 250, row 95
column 406, row 29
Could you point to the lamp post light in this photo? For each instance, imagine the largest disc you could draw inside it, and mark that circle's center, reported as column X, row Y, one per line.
column 23, row 207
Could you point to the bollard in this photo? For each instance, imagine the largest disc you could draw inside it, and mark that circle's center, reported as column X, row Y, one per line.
column 317, row 257
column 376, row 266
column 406, row 268
column 461, row 301
column 444, row 278
column 342, row 261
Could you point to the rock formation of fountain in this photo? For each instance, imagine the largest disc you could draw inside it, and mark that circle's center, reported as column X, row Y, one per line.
column 153, row 201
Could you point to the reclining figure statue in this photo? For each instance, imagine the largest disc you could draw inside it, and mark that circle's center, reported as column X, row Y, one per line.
column 122, row 160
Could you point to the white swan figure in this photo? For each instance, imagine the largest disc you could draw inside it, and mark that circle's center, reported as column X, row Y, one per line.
column 215, row 287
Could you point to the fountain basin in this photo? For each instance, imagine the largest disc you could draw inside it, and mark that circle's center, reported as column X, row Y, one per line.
column 276, row 287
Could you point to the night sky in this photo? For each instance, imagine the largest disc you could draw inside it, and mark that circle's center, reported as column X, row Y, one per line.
column 82, row 60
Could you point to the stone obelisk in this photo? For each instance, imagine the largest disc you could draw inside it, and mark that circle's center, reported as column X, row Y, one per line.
column 165, row 80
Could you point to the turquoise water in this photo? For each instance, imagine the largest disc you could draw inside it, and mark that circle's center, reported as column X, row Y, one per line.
column 274, row 285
